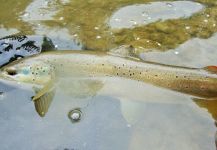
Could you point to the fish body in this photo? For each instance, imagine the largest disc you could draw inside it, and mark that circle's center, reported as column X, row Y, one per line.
column 40, row 69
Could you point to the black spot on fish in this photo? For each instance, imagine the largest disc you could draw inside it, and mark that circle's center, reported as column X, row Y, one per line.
column 130, row 74
column 176, row 76
column 119, row 67
column 117, row 73
column 123, row 73
column 140, row 73
column 102, row 64
column 156, row 75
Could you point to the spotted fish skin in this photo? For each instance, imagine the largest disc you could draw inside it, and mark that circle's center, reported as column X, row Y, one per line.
column 198, row 82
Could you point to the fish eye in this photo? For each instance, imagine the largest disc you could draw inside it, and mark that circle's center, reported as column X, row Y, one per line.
column 11, row 71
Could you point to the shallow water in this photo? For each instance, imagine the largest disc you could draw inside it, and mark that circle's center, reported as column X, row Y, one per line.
column 116, row 113
column 123, row 115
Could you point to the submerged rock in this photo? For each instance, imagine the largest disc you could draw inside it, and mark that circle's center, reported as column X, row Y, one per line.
column 18, row 46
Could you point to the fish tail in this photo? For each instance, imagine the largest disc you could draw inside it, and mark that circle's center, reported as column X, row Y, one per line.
column 211, row 69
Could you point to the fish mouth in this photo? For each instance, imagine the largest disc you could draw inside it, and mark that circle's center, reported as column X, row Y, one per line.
column 5, row 77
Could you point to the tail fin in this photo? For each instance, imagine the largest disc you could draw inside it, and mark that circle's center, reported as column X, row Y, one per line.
column 211, row 69
column 210, row 105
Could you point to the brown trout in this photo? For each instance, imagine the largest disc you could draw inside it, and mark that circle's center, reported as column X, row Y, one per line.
column 44, row 69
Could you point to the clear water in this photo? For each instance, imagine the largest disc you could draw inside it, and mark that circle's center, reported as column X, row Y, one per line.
column 116, row 113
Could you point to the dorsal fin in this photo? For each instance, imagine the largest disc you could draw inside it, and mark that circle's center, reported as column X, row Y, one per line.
column 211, row 69
column 126, row 51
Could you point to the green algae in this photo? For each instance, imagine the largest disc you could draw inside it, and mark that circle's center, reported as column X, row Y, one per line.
column 10, row 15
column 89, row 20
column 171, row 33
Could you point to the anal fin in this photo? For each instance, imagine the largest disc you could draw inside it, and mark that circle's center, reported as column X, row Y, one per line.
column 210, row 105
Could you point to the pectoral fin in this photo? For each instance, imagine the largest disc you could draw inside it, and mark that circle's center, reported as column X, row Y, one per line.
column 43, row 91
column 43, row 98
column 210, row 105
column 42, row 104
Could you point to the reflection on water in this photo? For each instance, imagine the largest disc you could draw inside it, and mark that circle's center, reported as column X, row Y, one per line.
column 6, row 32
column 33, row 16
column 89, row 22
column 39, row 10
column 194, row 53
column 172, row 122
column 143, row 14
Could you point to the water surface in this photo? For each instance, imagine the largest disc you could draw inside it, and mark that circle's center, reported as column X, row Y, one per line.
column 123, row 115
column 116, row 113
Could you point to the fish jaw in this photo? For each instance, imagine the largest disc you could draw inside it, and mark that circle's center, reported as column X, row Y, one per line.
column 32, row 72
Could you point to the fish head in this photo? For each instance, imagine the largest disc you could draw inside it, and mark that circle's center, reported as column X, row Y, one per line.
column 27, row 71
